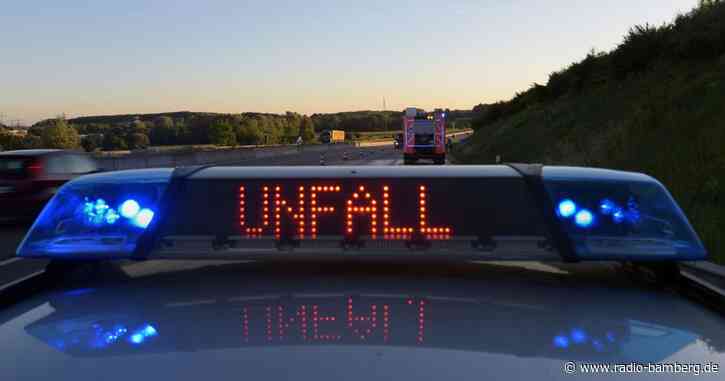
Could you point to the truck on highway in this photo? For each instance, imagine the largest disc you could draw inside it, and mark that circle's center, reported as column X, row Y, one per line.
column 424, row 135
column 332, row 136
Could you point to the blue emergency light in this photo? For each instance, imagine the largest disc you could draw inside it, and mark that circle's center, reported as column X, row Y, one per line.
column 97, row 216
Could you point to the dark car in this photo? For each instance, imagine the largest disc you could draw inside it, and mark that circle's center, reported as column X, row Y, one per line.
column 398, row 141
column 29, row 178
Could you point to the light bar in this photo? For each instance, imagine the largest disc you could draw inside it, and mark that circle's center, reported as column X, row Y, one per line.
column 404, row 213
column 98, row 216
column 620, row 215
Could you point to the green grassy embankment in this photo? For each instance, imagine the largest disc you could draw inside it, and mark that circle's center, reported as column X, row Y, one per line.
column 666, row 119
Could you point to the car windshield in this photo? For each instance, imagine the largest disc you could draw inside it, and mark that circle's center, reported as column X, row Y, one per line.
column 408, row 190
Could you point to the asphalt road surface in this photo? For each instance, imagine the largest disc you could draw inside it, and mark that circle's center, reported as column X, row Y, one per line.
column 14, row 269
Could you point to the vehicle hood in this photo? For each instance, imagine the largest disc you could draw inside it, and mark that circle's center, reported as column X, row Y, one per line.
column 177, row 320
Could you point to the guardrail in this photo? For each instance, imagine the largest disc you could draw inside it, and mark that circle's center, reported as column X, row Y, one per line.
column 377, row 143
column 220, row 156
column 135, row 160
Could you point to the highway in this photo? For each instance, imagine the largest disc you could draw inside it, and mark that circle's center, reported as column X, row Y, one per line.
column 14, row 269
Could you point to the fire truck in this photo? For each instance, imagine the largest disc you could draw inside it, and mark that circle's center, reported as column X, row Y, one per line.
column 424, row 135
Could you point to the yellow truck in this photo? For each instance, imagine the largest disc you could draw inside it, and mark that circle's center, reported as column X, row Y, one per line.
column 332, row 136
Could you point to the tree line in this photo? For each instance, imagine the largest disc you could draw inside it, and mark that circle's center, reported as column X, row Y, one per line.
column 123, row 132
column 356, row 122
column 118, row 133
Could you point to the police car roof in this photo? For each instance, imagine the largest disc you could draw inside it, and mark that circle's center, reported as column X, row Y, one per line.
column 183, row 319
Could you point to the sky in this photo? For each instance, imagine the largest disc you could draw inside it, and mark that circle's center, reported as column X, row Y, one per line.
column 117, row 57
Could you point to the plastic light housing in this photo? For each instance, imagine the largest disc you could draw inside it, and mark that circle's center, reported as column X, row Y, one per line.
column 96, row 216
column 621, row 216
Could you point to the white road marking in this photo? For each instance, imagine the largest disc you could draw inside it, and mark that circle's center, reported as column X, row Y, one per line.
column 382, row 162
column 9, row 261
column 529, row 265
column 29, row 276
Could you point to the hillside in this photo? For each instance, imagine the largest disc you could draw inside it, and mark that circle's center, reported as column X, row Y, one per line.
column 116, row 119
column 175, row 115
column 656, row 104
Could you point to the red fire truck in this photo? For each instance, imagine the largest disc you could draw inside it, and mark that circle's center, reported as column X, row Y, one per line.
column 424, row 135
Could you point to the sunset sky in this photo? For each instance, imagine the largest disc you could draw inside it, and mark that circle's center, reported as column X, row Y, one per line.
column 103, row 57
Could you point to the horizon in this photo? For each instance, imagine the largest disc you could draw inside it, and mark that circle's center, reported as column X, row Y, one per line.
column 138, row 58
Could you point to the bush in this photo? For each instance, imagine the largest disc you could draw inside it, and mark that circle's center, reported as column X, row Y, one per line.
column 31, row 141
column 59, row 135
column 249, row 133
column 113, row 141
column 163, row 131
column 643, row 45
column 92, row 142
column 700, row 33
column 10, row 142
column 137, row 140
column 222, row 134
column 307, row 130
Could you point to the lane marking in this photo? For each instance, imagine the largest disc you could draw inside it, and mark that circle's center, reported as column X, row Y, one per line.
column 23, row 279
column 9, row 261
column 382, row 162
